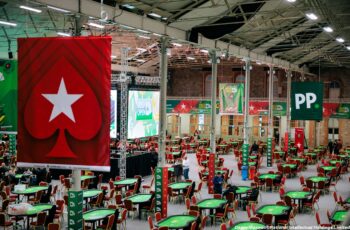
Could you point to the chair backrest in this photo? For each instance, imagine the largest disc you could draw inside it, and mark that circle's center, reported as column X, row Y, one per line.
column 5, row 204
column 118, row 199
column 318, row 218
column 163, row 228
column 110, row 222
column 217, row 196
column 40, row 219
column 288, row 200
column 223, row 226
column 335, row 196
column 158, row 216
column 267, row 219
column 188, row 203
column 194, row 226
column 248, row 211
column 269, row 181
column 194, row 200
column 254, row 219
column 2, row 219
column 200, row 186
column 150, row 223
column 128, row 205
column 309, row 184
column 54, row 226
column 112, row 206
column 204, row 222
column 281, row 203
column 193, row 213
column 320, row 185
column 49, row 219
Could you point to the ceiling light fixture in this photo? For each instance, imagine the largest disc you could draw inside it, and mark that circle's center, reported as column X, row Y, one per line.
column 311, row 16
column 141, row 49
column 8, row 23
column 328, row 29
column 140, row 60
column 158, row 35
column 204, row 51
column 64, row 34
column 143, row 31
column 339, row 39
column 348, row 47
column 291, row 0
column 30, row 9
column 96, row 25
column 143, row 36
column 176, row 44
column 190, row 58
column 58, row 9
column 128, row 6
column 127, row 27
column 113, row 56
column 154, row 15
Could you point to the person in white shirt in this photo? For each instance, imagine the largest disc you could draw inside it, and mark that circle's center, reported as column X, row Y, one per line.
column 186, row 167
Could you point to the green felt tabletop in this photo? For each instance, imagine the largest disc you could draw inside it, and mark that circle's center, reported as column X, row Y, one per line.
column 328, row 168
column 298, row 194
column 175, row 153
column 310, row 154
column 343, row 156
column 280, row 152
column 18, row 176
column 347, row 200
column 206, row 162
column 316, row 179
column 180, row 185
column 171, row 169
column 252, row 157
column 243, row 189
column 292, row 166
column 339, row 215
column 97, row 214
column 211, row 203
column 128, row 181
column 233, row 142
column 87, row 177
column 223, row 145
column 203, row 141
column 247, row 225
column 333, row 162
column 91, row 193
column 38, row 208
column 140, row 198
column 299, row 159
column 267, row 175
column 177, row 221
column 193, row 144
column 250, row 163
column 31, row 190
column 272, row 209
column 216, row 171
column 292, row 148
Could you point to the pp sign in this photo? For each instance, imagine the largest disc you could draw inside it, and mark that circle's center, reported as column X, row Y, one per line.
column 307, row 100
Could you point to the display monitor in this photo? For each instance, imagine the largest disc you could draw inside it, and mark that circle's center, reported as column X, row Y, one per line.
column 143, row 113
column 113, row 127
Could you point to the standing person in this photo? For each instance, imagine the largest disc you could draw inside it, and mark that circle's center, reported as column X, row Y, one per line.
column 330, row 146
column 186, row 167
column 255, row 148
column 217, row 181
column 336, row 147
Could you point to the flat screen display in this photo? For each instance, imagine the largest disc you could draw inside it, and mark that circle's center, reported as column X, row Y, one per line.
column 143, row 113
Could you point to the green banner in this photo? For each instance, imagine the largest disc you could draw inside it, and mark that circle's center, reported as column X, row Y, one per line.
column 269, row 152
column 75, row 210
column 279, row 108
column 231, row 98
column 343, row 112
column 8, row 95
column 245, row 154
column 161, row 189
column 306, row 101
column 190, row 106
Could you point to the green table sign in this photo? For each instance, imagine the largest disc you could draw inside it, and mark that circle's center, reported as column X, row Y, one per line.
column 248, row 225
column 161, row 190
column 75, row 210
column 12, row 144
column 269, row 152
column 245, row 154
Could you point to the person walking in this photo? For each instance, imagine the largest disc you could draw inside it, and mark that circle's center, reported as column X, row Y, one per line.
column 218, row 181
column 186, row 167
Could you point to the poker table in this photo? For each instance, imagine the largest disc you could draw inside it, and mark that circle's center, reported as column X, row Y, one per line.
column 273, row 209
column 222, row 172
column 328, row 168
column 180, row 185
column 248, row 225
column 334, row 162
column 292, row 166
column 242, row 190
column 86, row 177
column 125, row 182
column 343, row 156
column 140, row 199
column 31, row 190
column 211, row 204
column 177, row 221
column 205, row 162
column 301, row 160
column 90, row 193
column 317, row 179
column 298, row 196
column 268, row 175
column 33, row 211
column 94, row 215
column 252, row 163
column 339, row 216
column 177, row 153
column 253, row 157
column 313, row 155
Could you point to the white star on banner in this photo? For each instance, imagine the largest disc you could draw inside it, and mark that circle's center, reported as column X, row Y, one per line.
column 62, row 102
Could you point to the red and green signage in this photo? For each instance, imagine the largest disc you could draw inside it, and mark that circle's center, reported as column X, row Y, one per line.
column 231, row 98
column 75, row 210
column 211, row 174
column 8, row 96
column 262, row 108
column 161, row 190
column 269, row 152
column 190, row 106
column 245, row 154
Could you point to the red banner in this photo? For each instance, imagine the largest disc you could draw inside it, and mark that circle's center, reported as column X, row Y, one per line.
column 211, row 173
column 258, row 107
column 64, row 102
column 286, row 142
column 329, row 109
column 299, row 139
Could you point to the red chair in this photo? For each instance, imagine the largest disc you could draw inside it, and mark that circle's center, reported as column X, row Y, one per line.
column 221, row 215
column 203, row 222
column 54, row 226
column 319, row 221
column 248, row 211
column 267, row 219
column 223, row 227
column 109, row 224
column 3, row 222
column 158, row 216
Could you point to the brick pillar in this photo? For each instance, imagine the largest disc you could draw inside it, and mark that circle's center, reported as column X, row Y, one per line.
column 312, row 139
